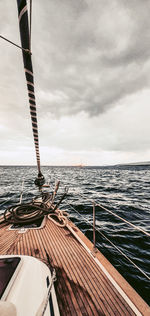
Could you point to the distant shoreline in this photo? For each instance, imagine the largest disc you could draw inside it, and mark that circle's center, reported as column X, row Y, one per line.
column 142, row 164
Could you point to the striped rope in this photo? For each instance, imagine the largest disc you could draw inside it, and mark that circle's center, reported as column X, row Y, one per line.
column 25, row 41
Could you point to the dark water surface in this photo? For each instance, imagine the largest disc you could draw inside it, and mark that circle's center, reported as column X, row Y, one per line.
column 123, row 190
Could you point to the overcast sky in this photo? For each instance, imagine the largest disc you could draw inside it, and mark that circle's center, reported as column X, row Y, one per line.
column 91, row 61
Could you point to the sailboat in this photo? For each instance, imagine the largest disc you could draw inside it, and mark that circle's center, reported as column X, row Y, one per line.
column 47, row 265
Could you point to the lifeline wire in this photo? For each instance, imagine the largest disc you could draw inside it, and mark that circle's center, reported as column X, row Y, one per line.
column 123, row 254
column 92, row 191
column 124, row 220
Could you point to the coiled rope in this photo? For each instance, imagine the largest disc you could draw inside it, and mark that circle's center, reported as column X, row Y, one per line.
column 28, row 213
column 25, row 213
column 61, row 218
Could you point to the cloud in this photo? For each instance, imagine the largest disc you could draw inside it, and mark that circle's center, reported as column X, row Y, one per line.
column 124, row 129
column 120, row 135
column 92, row 54
column 91, row 64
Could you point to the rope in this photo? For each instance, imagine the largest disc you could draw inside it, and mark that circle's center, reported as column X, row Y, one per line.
column 23, row 49
column 61, row 217
column 122, row 253
column 28, row 213
column 25, row 213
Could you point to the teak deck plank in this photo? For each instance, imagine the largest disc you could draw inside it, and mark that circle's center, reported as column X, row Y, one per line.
column 68, row 268
column 82, row 287
column 84, row 283
column 105, row 286
column 70, row 274
column 73, row 276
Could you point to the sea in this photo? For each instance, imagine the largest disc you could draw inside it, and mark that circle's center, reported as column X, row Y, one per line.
column 121, row 190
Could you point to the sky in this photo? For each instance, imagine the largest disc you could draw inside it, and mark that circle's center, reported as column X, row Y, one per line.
column 91, row 62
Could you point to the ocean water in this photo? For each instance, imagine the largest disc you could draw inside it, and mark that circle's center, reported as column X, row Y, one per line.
column 124, row 190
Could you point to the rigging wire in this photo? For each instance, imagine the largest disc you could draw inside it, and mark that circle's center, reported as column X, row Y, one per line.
column 97, row 193
column 119, row 250
column 5, row 202
column 114, row 214
column 24, row 49
column 124, row 220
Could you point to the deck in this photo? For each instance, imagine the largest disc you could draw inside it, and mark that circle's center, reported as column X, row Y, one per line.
column 86, row 284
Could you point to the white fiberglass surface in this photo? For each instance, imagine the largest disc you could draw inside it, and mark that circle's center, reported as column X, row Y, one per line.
column 29, row 290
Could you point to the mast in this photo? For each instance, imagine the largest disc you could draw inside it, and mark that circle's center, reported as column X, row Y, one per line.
column 25, row 35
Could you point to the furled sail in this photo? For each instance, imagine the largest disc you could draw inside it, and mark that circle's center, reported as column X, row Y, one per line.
column 25, row 41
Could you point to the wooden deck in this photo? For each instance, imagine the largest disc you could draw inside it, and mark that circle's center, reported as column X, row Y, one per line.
column 86, row 285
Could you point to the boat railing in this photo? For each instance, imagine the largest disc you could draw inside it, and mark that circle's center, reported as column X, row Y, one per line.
column 95, row 204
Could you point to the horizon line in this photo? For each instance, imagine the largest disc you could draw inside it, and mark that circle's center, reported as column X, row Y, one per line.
column 80, row 165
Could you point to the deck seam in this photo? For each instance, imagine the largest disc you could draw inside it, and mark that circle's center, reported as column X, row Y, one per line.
column 123, row 294
column 92, row 287
column 58, row 256
column 77, row 280
column 104, row 280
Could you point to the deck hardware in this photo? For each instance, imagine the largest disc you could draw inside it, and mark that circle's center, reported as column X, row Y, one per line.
column 94, row 242
column 21, row 192
column 40, row 180
column 55, row 191
column 61, row 199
